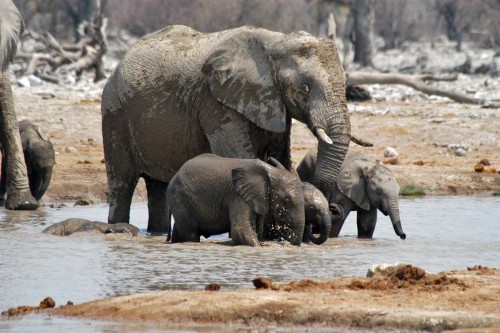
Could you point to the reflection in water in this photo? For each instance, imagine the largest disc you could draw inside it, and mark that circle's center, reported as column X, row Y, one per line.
column 443, row 233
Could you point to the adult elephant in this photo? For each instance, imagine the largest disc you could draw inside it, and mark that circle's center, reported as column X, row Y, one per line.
column 363, row 185
column 18, row 191
column 179, row 93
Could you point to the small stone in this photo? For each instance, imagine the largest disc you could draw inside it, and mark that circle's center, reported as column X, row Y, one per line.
column 479, row 167
column 83, row 202
column 485, row 162
column 262, row 283
column 70, row 150
column 212, row 287
column 391, row 161
column 48, row 302
column 460, row 152
column 390, row 152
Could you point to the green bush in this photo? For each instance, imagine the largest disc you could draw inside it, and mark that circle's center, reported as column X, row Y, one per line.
column 496, row 193
column 412, row 190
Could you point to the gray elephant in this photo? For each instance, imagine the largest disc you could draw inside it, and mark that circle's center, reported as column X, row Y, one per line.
column 18, row 191
column 179, row 93
column 72, row 225
column 363, row 185
column 39, row 157
column 316, row 210
column 213, row 195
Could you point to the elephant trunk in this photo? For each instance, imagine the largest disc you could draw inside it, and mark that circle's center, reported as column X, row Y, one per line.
column 338, row 219
column 395, row 219
column 39, row 182
column 325, row 227
column 333, row 134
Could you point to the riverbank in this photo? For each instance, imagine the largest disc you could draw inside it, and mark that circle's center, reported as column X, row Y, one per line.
column 467, row 300
column 426, row 135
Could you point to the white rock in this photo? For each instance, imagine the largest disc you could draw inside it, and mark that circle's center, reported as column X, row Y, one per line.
column 383, row 269
column 390, row 152
column 70, row 149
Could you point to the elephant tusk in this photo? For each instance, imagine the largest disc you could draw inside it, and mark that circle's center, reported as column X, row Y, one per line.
column 322, row 135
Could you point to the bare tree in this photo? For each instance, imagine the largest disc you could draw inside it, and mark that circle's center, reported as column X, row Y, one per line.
column 364, row 19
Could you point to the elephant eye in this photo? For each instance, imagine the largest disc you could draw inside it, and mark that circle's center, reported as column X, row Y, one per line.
column 305, row 88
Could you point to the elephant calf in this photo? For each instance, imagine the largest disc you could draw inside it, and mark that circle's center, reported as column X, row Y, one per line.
column 72, row 225
column 363, row 185
column 213, row 195
column 39, row 157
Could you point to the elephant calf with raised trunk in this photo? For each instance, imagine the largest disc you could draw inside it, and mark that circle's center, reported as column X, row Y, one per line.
column 179, row 93
column 363, row 185
column 213, row 195
column 39, row 157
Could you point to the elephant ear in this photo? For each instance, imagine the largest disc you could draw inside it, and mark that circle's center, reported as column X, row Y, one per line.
column 251, row 181
column 352, row 183
column 240, row 76
column 11, row 28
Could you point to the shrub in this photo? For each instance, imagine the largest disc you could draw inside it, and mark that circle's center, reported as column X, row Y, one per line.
column 412, row 190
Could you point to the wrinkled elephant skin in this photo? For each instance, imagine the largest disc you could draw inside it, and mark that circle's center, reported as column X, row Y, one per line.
column 72, row 225
column 213, row 195
column 363, row 185
column 179, row 93
column 17, row 184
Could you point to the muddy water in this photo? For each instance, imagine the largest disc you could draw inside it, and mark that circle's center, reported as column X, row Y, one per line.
column 443, row 233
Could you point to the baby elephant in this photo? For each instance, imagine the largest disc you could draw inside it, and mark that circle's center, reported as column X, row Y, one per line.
column 363, row 185
column 316, row 210
column 39, row 157
column 213, row 195
column 72, row 225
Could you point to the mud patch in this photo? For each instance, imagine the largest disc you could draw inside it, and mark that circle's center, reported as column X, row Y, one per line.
column 46, row 303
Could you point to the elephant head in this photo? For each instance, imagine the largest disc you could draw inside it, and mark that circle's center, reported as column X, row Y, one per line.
column 317, row 214
column 371, row 185
column 270, row 77
column 39, row 156
column 270, row 190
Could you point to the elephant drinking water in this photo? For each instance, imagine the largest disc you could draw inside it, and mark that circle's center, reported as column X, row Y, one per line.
column 179, row 93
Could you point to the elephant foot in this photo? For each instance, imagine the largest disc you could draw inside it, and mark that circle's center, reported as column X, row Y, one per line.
column 22, row 200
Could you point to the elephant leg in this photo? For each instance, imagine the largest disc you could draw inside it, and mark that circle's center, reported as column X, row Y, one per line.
column 18, row 191
column 157, row 205
column 120, row 198
column 243, row 223
column 366, row 222
column 186, row 223
column 3, row 180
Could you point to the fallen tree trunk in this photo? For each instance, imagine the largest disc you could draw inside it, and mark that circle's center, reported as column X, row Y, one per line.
column 417, row 83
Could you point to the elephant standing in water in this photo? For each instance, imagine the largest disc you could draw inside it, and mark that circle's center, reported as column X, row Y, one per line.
column 39, row 157
column 213, row 195
column 179, row 93
column 363, row 185
column 18, row 191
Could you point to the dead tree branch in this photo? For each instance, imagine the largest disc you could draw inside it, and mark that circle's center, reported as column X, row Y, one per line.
column 417, row 83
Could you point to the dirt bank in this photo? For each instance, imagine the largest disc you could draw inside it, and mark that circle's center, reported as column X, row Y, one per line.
column 426, row 135
column 411, row 300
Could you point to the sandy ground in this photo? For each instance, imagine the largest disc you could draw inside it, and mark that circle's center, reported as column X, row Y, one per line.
column 425, row 131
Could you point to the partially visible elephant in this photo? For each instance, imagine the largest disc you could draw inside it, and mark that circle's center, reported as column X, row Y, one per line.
column 316, row 210
column 213, row 195
column 39, row 157
column 72, row 225
column 179, row 93
column 363, row 185
column 18, row 191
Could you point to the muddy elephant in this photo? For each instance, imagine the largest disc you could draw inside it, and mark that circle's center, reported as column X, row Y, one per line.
column 213, row 195
column 18, row 191
column 39, row 157
column 72, row 225
column 363, row 185
column 178, row 93
column 316, row 209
